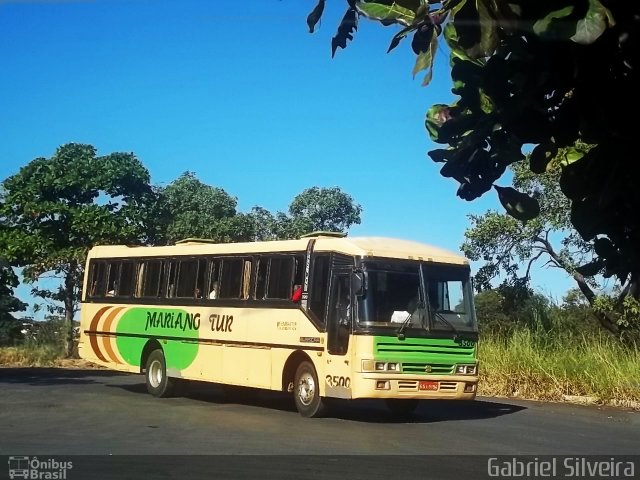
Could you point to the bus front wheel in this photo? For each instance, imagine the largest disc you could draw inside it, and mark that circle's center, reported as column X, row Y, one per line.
column 159, row 384
column 306, row 391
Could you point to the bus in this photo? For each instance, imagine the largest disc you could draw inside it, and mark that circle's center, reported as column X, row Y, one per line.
column 322, row 317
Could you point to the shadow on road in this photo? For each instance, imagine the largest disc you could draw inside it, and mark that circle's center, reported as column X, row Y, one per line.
column 38, row 376
column 370, row 411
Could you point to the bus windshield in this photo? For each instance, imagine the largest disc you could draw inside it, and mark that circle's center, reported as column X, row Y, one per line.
column 417, row 295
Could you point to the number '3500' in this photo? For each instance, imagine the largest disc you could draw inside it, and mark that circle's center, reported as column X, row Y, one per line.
column 336, row 381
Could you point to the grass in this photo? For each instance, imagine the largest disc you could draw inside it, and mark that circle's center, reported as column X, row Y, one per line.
column 552, row 366
column 31, row 355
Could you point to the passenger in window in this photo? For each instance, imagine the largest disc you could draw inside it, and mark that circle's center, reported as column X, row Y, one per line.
column 297, row 293
column 196, row 293
column 214, row 290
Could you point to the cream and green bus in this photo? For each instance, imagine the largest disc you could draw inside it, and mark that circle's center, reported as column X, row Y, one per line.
column 321, row 317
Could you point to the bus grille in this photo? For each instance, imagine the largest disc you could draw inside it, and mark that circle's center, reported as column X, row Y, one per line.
column 417, row 348
column 449, row 386
column 443, row 368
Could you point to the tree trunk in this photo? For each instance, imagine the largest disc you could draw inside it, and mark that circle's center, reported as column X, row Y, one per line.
column 69, row 286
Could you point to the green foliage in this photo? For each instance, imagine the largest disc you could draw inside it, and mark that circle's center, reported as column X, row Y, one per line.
column 54, row 209
column 505, row 243
column 189, row 208
column 626, row 311
column 502, row 310
column 545, row 74
column 10, row 327
column 194, row 209
column 327, row 209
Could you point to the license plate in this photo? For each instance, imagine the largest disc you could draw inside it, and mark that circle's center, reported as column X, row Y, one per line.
column 427, row 385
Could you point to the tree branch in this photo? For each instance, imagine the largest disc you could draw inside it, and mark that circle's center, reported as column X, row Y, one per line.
column 604, row 318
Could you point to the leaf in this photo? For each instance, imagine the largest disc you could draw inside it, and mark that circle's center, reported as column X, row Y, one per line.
column 348, row 25
column 517, row 204
column 426, row 58
column 486, row 103
column 437, row 115
column 315, row 15
column 379, row 11
column 570, row 155
column 542, row 26
column 589, row 29
column 488, row 30
column 399, row 37
column 441, row 154
column 541, row 156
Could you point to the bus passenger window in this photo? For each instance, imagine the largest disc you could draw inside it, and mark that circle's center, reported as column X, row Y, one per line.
column 98, row 279
column 231, row 278
column 127, row 279
column 187, row 275
column 153, row 274
column 214, row 279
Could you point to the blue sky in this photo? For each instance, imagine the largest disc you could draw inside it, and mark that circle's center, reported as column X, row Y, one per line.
column 241, row 94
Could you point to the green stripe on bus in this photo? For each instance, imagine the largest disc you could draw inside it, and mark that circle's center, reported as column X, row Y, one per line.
column 160, row 322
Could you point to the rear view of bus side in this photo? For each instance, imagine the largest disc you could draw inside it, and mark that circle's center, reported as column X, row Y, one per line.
column 320, row 317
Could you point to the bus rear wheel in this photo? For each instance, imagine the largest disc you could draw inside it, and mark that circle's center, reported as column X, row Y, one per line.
column 306, row 392
column 159, row 384
column 402, row 407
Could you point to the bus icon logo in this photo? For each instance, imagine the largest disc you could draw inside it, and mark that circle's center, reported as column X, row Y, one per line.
column 18, row 467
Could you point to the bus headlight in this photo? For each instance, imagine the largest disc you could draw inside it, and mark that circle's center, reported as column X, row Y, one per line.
column 466, row 369
column 373, row 366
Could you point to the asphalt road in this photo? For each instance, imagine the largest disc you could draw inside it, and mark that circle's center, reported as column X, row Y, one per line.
column 56, row 412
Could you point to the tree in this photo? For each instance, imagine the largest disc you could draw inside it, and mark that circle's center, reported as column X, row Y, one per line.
column 191, row 208
column 541, row 75
column 10, row 327
column 327, row 209
column 55, row 209
column 505, row 243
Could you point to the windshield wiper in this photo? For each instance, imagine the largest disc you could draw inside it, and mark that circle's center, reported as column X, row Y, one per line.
column 444, row 320
column 404, row 324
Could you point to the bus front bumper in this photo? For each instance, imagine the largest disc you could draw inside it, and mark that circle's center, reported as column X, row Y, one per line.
column 384, row 385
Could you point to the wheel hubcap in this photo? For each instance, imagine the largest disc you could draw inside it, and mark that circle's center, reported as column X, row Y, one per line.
column 155, row 373
column 306, row 389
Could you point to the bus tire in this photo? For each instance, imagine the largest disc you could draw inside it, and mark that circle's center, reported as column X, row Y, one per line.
column 306, row 392
column 159, row 384
column 402, row 407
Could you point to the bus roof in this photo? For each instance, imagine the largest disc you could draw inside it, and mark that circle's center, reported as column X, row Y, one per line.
column 357, row 246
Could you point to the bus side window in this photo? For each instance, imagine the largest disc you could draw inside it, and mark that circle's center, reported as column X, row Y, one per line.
column 261, row 278
column 152, row 278
column 199, row 291
column 127, row 279
column 231, row 278
column 214, row 279
column 113, row 278
column 186, row 278
column 280, row 278
column 172, row 270
column 98, row 279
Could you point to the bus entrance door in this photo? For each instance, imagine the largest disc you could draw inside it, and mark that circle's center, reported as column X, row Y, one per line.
column 339, row 318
